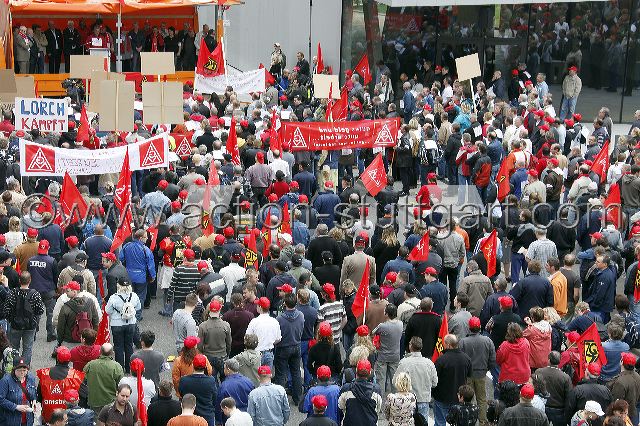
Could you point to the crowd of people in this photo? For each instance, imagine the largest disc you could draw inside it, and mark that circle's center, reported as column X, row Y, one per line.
column 265, row 310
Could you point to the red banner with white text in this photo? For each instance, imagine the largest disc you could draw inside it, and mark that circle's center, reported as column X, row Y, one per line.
column 313, row 136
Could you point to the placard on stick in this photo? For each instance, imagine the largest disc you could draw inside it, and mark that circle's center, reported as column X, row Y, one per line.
column 83, row 65
column 157, row 63
column 94, row 88
column 322, row 83
column 116, row 105
column 162, row 102
column 24, row 87
column 468, row 67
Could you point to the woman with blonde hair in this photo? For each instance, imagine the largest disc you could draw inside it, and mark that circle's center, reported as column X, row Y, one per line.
column 401, row 405
column 338, row 234
column 15, row 236
column 358, row 353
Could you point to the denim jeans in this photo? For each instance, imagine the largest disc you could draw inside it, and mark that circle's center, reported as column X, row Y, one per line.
column 141, row 291
column 518, row 263
column 633, row 306
column 568, row 107
column 304, row 356
column 440, row 411
column 287, row 360
column 27, row 337
column 423, row 408
column 49, row 300
column 556, row 416
column 123, row 343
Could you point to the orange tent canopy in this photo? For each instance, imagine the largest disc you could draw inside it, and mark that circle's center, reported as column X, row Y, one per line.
column 106, row 6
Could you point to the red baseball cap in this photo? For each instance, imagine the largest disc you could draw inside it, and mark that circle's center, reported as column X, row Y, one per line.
column 596, row 235
column 430, row 271
column 191, row 341
column 569, row 122
column 199, row 182
column 505, row 302
column 273, row 198
column 72, row 124
column 330, row 290
column 391, row 276
column 183, row 194
column 628, row 359
column 71, row 395
column 199, row 361
column 303, row 199
column 474, row 322
column 260, row 157
column 286, row 288
column 328, row 184
column 263, row 302
column 189, row 254
column 554, row 161
column 577, row 117
column 362, row 330
column 72, row 240
column 163, row 184
column 245, row 205
column 294, row 185
column 219, row 240
column 202, row 265
column 228, row 232
column 550, row 120
column 109, row 256
column 545, row 127
column 215, row 306
column 43, row 247
column 32, row 232
column 199, row 98
column 320, row 401
column 528, row 83
column 572, row 336
column 175, row 205
column 532, row 172
column 264, row 370
column 323, row 371
column 514, row 72
column 244, row 123
column 72, row 285
column 539, row 113
column 364, row 365
column 63, row 354
column 527, row 391
column 324, row 329
column 573, row 68
column 136, row 365
column 594, row 369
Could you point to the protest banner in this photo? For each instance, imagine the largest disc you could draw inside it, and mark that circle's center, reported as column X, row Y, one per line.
column 46, row 115
column 242, row 83
column 40, row 160
column 314, row 136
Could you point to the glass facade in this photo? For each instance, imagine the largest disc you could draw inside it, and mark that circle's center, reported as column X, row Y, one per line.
column 600, row 38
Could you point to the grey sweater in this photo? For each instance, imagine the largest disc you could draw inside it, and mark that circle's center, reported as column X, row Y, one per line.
column 423, row 374
column 481, row 351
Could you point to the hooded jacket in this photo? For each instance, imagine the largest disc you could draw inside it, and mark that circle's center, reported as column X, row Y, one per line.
column 603, row 290
column 68, row 313
column 630, row 191
column 360, row 401
column 291, row 325
column 539, row 336
column 513, row 359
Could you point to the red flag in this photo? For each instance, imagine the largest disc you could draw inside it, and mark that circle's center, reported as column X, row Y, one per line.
column 210, row 64
column 489, row 248
column 274, row 140
column 73, row 206
column 601, row 163
column 153, row 230
column 266, row 233
column 341, row 106
column 362, row 68
column 214, row 180
column 122, row 200
column 320, row 63
column 503, row 181
column 251, row 256
column 101, row 284
column 46, row 206
column 374, row 177
column 612, row 205
column 232, row 143
column 590, row 349
column 103, row 336
column 636, row 287
column 420, row 252
column 286, row 220
column 83, row 127
column 268, row 77
column 444, row 330
column 361, row 299
column 142, row 408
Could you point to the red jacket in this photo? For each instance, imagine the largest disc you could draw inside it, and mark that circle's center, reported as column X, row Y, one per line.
column 279, row 188
column 81, row 355
column 513, row 359
column 540, row 344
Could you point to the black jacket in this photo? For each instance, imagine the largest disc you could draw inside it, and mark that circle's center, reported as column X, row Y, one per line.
column 115, row 274
column 558, row 386
column 586, row 390
column 318, row 420
column 499, row 327
column 564, row 236
column 451, row 150
column 162, row 410
column 523, row 414
column 324, row 354
column 320, row 244
column 360, row 406
column 328, row 274
column 386, row 196
column 425, row 325
column 453, row 368
column 532, row 290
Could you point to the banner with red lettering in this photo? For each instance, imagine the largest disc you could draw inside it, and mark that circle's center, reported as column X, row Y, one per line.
column 313, row 136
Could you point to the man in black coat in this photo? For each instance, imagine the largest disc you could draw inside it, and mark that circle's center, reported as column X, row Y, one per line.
column 54, row 47
column 524, row 414
column 453, row 367
column 532, row 290
column 165, row 407
column 116, row 273
column 323, row 242
column 588, row 389
column 498, row 324
column 426, row 325
column 71, row 44
column 451, row 151
column 387, row 196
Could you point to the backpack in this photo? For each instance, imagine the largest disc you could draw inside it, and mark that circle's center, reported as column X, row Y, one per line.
column 128, row 311
column 8, row 356
column 24, row 318
column 406, row 315
column 81, row 322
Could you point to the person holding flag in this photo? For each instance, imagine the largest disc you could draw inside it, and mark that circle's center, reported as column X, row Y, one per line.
column 453, row 368
column 425, row 324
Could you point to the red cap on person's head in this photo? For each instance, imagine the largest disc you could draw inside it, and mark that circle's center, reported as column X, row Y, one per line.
column 183, row 194
column 63, row 354
column 572, row 336
column 72, row 124
column 545, row 127
column 43, row 247
column 244, row 124
column 189, row 83
column 596, row 235
column 594, row 369
column 264, row 370
column 200, row 182
column 199, row 98
column 323, row 372
column 71, row 395
column 219, row 240
column 220, row 122
column 514, row 72
column 554, row 161
column 294, row 185
column 163, row 184
column 573, row 68
column 474, row 323
column 245, row 205
column 577, row 117
column 176, row 205
column 32, row 232
column 628, row 359
column 263, row 302
column 506, row 302
column 431, row 176
column 527, row 391
column 199, row 361
column 324, row 329
column 330, row 290
column 303, row 199
column 427, row 107
column 286, row 288
column 320, row 401
column 391, row 276
column 260, row 157
column 550, row 120
column 72, row 241
column 215, row 306
column 272, row 198
column 362, row 330
column 229, row 232
column 72, row 285
column 189, row 254
column 191, row 342
column 364, row 365
column 109, row 256
column 202, row 265
column 588, row 163
column 328, row 184
column 430, row 271
column 532, row 172
column 569, row 123
column 539, row 113
column 528, row 83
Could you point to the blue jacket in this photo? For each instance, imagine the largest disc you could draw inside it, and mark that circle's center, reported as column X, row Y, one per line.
column 492, row 306
column 11, row 396
column 613, row 349
column 582, row 322
column 310, row 319
column 237, row 387
column 53, row 234
column 462, row 119
column 291, row 198
column 532, row 290
column 204, row 388
column 516, row 180
column 307, row 182
column 291, row 327
column 332, row 392
column 138, row 259
column 495, row 151
column 603, row 290
column 588, row 225
column 325, row 204
column 44, row 273
column 438, row 292
column 94, row 246
column 412, row 241
column 80, row 417
column 300, row 233
column 409, row 105
column 399, row 264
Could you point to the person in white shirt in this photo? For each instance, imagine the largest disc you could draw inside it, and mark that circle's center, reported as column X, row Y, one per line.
column 147, row 385
column 279, row 164
column 267, row 329
column 234, row 416
column 233, row 273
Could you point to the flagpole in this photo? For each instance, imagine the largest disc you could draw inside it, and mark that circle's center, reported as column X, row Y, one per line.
column 224, row 59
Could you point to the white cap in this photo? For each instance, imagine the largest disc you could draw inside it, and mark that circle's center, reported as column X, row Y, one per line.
column 593, row 407
column 595, row 202
column 286, row 237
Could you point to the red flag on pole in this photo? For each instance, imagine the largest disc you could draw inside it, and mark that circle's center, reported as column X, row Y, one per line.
column 251, row 256
column 214, row 180
column 601, row 163
column 612, row 205
column 590, row 349
column 137, row 367
column 122, row 200
column 268, row 77
column 83, row 128
column 503, row 181
column 420, row 252
column 362, row 68
column 101, row 284
column 73, row 206
column 341, row 106
column 374, row 177
column 286, row 220
column 103, row 335
column 444, row 330
column 320, row 63
column 266, row 233
column 210, row 64
column 232, row 143
column 274, row 140
column 489, row 248
column 361, row 300
column 329, row 114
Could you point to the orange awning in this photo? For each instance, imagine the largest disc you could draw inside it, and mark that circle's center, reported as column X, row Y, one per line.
column 31, row 7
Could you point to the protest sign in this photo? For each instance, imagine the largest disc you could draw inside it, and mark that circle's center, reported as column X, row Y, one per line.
column 41, row 160
column 246, row 82
column 157, row 63
column 314, row 136
column 116, row 105
column 46, row 115
column 322, row 86
column 162, row 102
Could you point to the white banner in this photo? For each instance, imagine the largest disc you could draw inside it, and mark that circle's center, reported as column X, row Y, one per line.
column 48, row 115
column 242, row 83
column 42, row 160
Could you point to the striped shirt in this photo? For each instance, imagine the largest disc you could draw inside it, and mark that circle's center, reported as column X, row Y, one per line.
column 542, row 250
column 184, row 281
column 333, row 313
